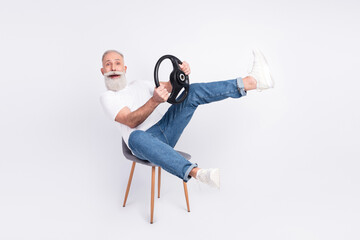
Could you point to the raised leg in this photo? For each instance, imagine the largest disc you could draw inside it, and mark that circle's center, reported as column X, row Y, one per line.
column 159, row 181
column 152, row 194
column 129, row 182
column 178, row 115
column 186, row 196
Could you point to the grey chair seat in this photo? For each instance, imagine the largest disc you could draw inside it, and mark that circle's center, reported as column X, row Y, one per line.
column 128, row 154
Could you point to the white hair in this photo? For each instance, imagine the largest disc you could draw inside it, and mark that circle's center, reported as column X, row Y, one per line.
column 110, row 51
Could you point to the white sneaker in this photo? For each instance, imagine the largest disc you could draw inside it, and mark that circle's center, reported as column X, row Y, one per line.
column 209, row 176
column 261, row 72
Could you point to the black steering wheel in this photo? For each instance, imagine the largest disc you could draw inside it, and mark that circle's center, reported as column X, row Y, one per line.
column 178, row 79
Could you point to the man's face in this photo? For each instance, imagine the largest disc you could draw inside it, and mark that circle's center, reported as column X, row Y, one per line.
column 114, row 71
column 113, row 62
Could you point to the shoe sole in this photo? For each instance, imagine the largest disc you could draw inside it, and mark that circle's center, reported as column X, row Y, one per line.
column 268, row 78
column 215, row 179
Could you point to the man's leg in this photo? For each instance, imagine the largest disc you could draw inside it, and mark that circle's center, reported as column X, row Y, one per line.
column 151, row 147
column 156, row 144
column 178, row 116
column 168, row 130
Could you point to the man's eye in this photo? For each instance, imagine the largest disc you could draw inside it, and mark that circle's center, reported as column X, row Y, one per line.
column 118, row 63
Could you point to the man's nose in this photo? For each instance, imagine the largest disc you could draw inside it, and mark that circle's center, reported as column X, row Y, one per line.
column 113, row 67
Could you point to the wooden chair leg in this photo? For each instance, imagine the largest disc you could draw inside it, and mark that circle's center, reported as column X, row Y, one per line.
column 129, row 182
column 186, row 196
column 152, row 194
column 159, row 181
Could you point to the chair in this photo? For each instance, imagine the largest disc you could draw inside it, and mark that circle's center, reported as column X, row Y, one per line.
column 128, row 154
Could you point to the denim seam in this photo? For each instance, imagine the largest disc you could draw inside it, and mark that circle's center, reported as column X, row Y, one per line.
column 164, row 130
column 164, row 134
column 224, row 93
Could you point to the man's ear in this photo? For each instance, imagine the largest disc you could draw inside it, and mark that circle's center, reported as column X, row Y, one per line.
column 102, row 71
column 125, row 67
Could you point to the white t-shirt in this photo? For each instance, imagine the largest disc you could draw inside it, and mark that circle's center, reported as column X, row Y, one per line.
column 133, row 96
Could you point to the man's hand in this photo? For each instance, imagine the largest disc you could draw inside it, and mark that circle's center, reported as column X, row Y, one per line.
column 160, row 94
column 167, row 86
column 185, row 67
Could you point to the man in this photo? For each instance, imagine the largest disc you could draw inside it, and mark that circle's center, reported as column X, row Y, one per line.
column 151, row 135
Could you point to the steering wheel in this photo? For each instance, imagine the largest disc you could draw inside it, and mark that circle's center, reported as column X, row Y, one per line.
column 178, row 79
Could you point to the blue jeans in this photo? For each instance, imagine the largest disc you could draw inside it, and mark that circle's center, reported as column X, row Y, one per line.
column 157, row 143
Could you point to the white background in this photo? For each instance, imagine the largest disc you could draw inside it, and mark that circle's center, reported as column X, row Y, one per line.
column 289, row 157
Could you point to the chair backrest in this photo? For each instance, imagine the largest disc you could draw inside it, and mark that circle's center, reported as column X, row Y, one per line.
column 126, row 151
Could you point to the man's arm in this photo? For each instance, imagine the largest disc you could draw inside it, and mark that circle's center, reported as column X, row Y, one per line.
column 161, row 94
column 135, row 118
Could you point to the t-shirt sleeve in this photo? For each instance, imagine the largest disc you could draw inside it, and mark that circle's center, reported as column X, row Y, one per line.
column 111, row 105
column 150, row 85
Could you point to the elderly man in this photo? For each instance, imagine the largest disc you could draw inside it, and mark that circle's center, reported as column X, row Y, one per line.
column 151, row 135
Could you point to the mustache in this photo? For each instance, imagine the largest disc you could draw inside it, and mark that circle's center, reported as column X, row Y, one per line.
column 113, row 73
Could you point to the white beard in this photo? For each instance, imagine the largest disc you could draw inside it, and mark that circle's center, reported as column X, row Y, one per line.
column 115, row 84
